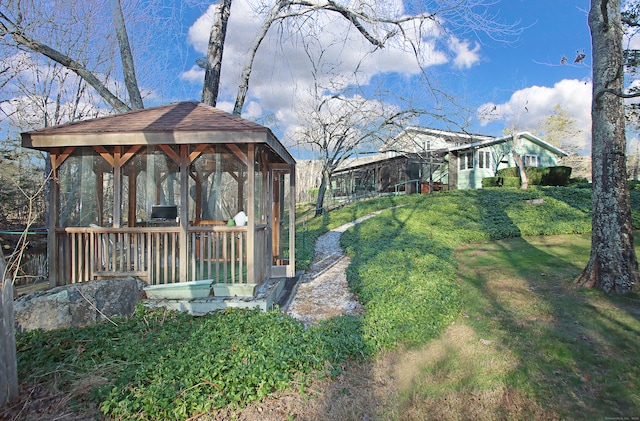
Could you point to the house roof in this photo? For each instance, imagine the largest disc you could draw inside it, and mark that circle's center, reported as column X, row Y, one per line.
column 497, row 140
column 471, row 141
column 463, row 136
column 365, row 160
column 177, row 123
column 474, row 141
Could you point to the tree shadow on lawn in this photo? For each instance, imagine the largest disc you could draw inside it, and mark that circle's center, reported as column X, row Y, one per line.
column 576, row 349
column 527, row 344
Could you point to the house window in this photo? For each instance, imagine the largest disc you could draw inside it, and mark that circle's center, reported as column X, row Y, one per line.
column 484, row 160
column 465, row 161
column 530, row 160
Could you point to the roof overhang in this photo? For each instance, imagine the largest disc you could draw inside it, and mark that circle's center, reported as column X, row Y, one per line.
column 503, row 139
column 176, row 124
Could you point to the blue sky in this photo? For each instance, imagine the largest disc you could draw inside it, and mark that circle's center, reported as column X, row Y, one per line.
column 525, row 78
column 515, row 81
column 498, row 80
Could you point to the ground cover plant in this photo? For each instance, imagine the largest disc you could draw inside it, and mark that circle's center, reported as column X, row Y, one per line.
column 404, row 269
column 164, row 365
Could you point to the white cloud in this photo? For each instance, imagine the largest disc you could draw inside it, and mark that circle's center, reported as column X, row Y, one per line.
column 465, row 57
column 282, row 73
column 252, row 110
column 528, row 107
column 195, row 74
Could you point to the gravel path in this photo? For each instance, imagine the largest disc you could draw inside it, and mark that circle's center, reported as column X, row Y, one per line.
column 323, row 291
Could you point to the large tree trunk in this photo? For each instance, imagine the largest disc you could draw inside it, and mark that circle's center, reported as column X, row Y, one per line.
column 326, row 176
column 524, row 179
column 8, row 364
column 128, row 69
column 613, row 266
column 214, row 53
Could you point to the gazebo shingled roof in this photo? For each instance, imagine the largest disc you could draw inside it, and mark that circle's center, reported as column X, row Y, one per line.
column 178, row 123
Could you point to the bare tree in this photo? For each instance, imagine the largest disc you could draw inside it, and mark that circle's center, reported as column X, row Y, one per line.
column 9, row 270
column 42, row 94
column 87, row 37
column 612, row 266
column 340, row 125
column 88, row 50
column 522, row 171
column 380, row 25
column 22, row 35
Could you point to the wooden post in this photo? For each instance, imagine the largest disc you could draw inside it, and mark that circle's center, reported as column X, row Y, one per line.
column 133, row 196
column 184, row 212
column 54, row 210
column 8, row 362
column 251, row 214
column 291, row 268
column 276, row 216
column 117, row 188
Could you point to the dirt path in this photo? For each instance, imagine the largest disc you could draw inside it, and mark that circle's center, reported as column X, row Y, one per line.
column 323, row 291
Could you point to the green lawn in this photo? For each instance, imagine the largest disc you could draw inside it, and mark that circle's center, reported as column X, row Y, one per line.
column 527, row 344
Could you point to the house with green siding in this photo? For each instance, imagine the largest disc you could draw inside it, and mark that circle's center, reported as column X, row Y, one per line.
column 421, row 159
column 470, row 163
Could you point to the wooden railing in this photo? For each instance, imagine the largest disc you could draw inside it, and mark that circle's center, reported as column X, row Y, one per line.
column 96, row 252
column 218, row 253
column 152, row 253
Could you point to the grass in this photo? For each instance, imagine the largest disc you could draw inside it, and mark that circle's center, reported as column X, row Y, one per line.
column 403, row 265
column 527, row 344
column 450, row 331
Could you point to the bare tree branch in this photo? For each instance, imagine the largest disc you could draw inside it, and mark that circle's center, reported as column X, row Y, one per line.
column 284, row 9
column 57, row 56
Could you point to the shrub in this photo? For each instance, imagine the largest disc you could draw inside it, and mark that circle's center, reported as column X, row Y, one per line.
column 578, row 182
column 555, row 176
column 501, row 182
column 491, row 182
column 511, row 181
column 508, row 172
column 548, row 176
column 313, row 194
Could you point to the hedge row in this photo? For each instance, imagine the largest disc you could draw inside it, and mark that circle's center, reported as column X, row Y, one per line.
column 549, row 176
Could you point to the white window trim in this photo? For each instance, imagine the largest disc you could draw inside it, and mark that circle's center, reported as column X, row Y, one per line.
column 531, row 157
column 486, row 162
column 468, row 163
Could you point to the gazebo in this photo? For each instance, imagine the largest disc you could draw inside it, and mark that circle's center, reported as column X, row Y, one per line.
column 176, row 193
